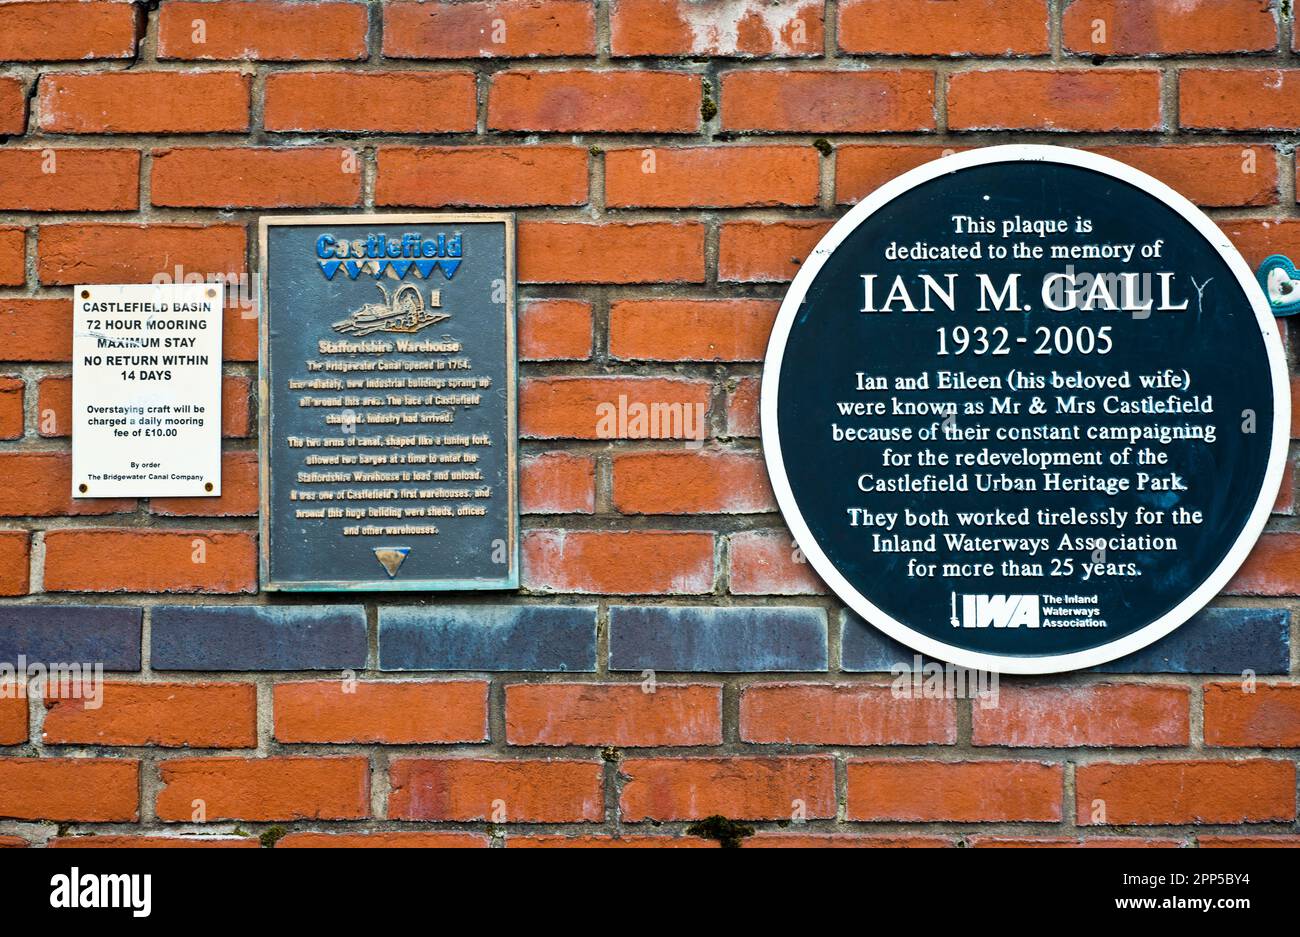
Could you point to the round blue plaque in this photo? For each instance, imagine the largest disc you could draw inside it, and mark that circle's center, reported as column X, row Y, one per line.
column 1025, row 409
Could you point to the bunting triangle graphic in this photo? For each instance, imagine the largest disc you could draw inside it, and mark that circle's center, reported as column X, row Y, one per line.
column 401, row 268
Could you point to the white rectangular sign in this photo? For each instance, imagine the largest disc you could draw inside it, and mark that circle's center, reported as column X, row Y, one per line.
column 146, row 391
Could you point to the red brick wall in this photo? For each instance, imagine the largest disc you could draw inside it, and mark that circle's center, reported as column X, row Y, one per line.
column 669, row 657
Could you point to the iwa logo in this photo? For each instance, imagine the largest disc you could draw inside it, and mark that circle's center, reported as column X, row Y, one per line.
column 997, row 611
column 102, row 890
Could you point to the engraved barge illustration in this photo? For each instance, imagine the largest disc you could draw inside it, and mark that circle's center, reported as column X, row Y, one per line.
column 401, row 311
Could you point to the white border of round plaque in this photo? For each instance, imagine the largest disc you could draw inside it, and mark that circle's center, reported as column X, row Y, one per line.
column 899, row 630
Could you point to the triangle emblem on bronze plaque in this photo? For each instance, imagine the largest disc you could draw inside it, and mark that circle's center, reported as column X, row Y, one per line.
column 392, row 558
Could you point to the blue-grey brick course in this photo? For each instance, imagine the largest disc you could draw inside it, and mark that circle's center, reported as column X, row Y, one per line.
column 48, row 634
column 545, row 638
column 244, row 637
column 727, row 640
column 1214, row 641
column 1217, row 640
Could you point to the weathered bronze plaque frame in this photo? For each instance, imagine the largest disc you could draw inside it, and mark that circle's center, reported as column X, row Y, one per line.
column 510, row 576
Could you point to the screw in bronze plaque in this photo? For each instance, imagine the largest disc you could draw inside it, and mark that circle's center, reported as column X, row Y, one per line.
column 83, row 488
column 85, row 294
column 207, row 486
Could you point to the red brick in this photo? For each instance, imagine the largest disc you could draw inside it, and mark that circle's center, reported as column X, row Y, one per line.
column 765, row 840
column 145, row 102
column 35, row 329
column 1060, row 842
column 256, row 177
column 1160, row 793
column 1139, row 27
column 589, row 101
column 54, row 407
column 39, row 484
column 742, row 407
column 73, row 254
column 1238, row 98
column 691, row 329
column 187, row 841
column 492, row 29
column 555, row 330
column 173, row 715
column 961, row 791
column 396, row 713
column 706, row 482
column 1285, row 503
column 683, row 27
column 239, row 322
column 264, row 789
column 13, row 715
column 560, row 841
column 66, row 32
column 54, row 404
column 395, row 840
column 492, row 176
column 1266, row 717
column 951, row 27
column 1257, row 238
column 622, row 714
column 1100, row 715
column 263, row 31
column 739, row 788
column 69, row 180
column 13, row 842
column 238, row 498
column 641, row 562
column 766, row 251
column 391, row 102
column 12, row 391
column 557, row 483
column 13, row 106
column 769, row 562
column 648, row 252
column 15, row 562
column 861, row 169
column 613, row 408
column 1272, row 568
column 91, row 790
column 828, row 101
column 13, row 253
column 1038, row 99
column 1248, row 842
column 524, row 791
column 1295, row 396
column 236, row 416
column 711, row 176
column 105, row 560
column 843, row 714
column 1214, row 176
